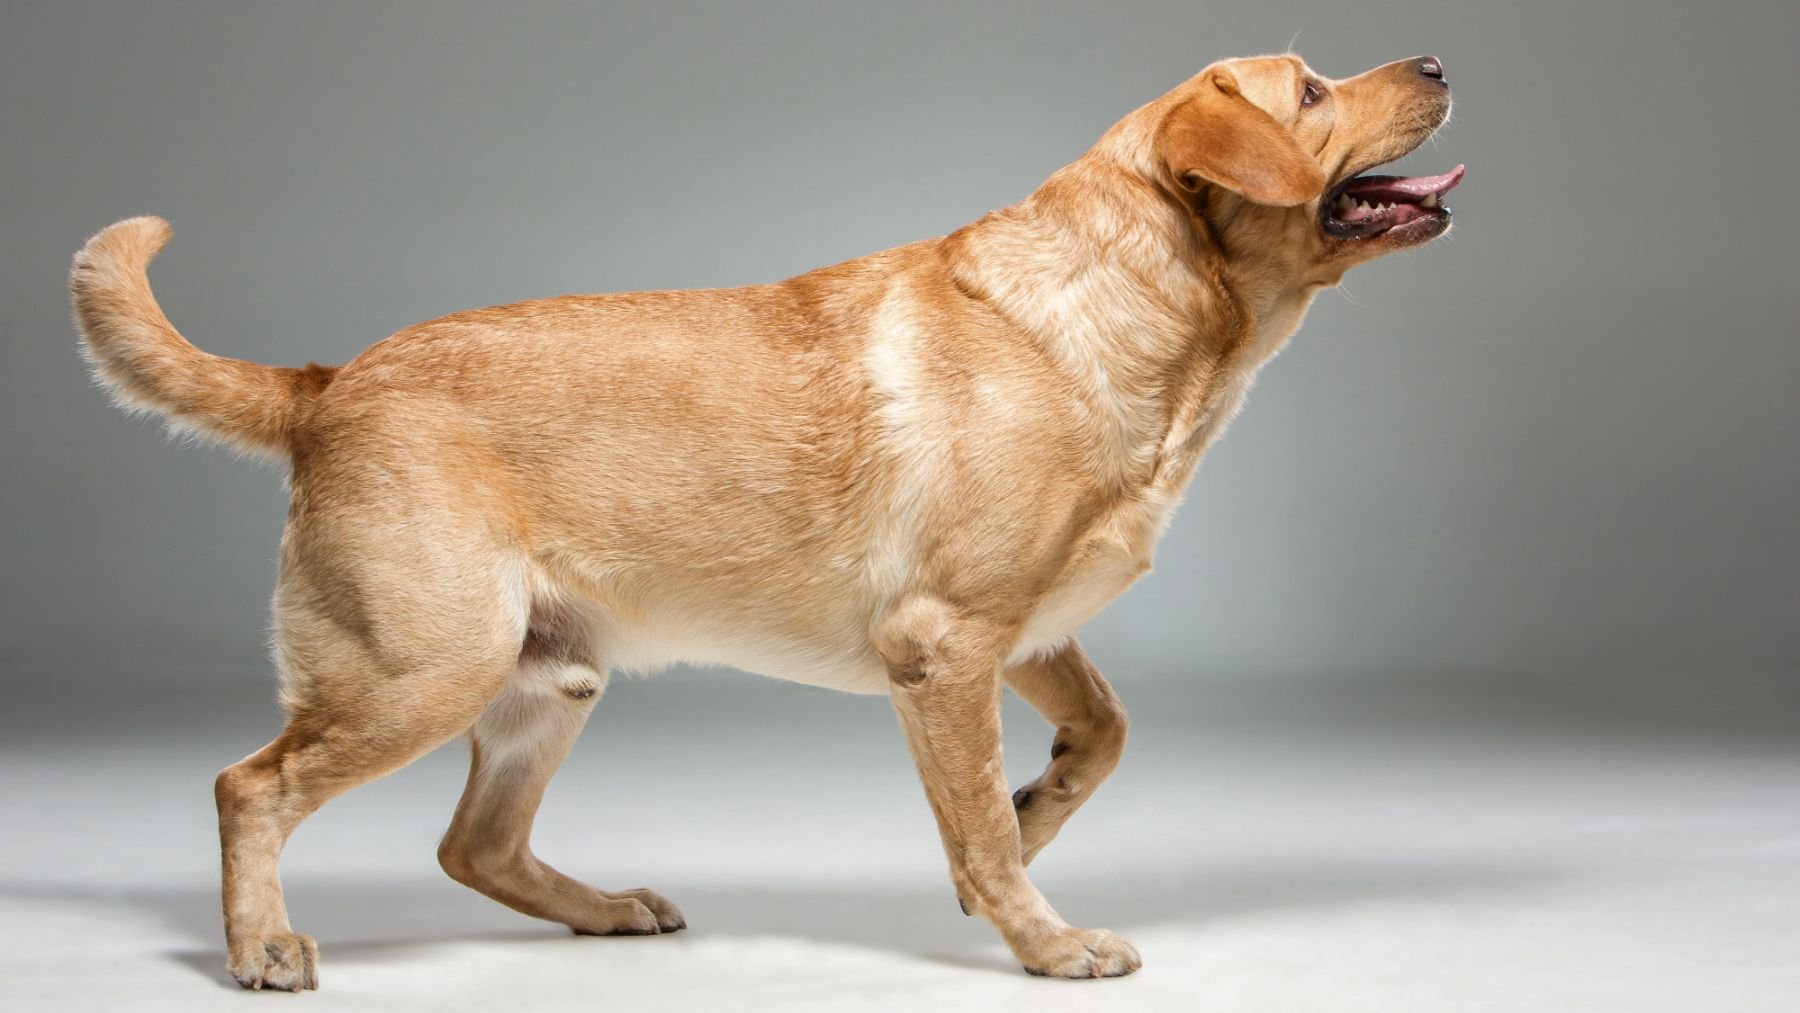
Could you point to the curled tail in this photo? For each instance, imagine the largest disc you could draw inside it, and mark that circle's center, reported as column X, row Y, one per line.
column 149, row 366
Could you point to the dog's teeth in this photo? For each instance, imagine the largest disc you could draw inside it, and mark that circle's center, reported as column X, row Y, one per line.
column 1430, row 201
column 1345, row 204
column 1363, row 205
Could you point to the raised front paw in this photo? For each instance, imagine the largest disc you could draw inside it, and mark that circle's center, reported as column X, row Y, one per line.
column 1042, row 808
column 1082, row 953
column 285, row 961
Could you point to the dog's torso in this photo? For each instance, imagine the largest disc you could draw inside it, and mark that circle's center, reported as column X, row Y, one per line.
column 757, row 476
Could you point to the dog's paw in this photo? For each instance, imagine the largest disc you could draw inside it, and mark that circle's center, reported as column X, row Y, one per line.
column 668, row 916
column 1084, row 953
column 1041, row 813
column 632, row 913
column 284, row 961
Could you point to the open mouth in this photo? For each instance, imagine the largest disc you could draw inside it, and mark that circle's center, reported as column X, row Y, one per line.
column 1367, row 206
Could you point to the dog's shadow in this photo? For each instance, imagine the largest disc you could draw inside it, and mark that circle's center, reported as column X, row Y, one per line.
column 370, row 921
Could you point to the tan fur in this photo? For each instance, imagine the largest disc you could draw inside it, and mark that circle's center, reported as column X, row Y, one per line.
column 913, row 473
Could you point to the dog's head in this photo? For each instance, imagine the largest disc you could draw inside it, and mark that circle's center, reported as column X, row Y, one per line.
column 1267, row 156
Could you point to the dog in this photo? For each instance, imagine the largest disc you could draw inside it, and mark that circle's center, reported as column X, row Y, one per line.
column 915, row 473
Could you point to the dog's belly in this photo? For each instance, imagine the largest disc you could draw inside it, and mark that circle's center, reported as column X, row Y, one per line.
column 834, row 651
column 645, row 643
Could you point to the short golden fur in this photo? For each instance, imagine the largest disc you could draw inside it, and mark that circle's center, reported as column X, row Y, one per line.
column 915, row 473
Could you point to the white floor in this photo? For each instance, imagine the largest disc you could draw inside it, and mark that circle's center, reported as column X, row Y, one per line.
column 1290, row 846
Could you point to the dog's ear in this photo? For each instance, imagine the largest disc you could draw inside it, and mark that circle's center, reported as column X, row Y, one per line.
column 1221, row 137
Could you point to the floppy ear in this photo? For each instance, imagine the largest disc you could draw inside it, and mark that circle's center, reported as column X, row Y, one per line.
column 1221, row 137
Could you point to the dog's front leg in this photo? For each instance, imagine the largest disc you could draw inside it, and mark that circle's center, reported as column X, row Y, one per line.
column 1090, row 724
column 946, row 677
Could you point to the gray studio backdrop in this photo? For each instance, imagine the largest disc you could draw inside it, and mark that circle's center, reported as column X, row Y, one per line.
column 1563, row 439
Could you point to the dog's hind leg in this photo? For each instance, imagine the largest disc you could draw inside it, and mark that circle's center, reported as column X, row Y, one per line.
column 1070, row 693
column 392, row 639
column 325, row 750
column 519, row 742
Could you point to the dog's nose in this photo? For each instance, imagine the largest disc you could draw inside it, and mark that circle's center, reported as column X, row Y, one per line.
column 1432, row 67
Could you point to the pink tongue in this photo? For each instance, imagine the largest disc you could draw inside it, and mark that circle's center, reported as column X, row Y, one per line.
column 1396, row 189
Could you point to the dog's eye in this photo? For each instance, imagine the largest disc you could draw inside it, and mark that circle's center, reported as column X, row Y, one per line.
column 1312, row 94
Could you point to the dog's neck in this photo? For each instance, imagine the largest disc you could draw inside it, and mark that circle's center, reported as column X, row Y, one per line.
column 1123, row 290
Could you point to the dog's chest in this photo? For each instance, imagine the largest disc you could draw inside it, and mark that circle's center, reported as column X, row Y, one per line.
column 1109, row 558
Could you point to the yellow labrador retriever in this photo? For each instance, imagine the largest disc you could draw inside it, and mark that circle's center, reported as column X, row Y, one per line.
column 915, row 473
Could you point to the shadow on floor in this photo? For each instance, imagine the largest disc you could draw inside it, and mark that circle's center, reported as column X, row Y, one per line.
column 359, row 920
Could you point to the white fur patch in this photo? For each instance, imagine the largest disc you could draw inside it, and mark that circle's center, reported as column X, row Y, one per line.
column 897, row 378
